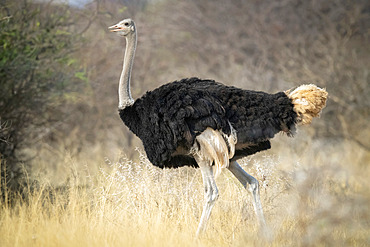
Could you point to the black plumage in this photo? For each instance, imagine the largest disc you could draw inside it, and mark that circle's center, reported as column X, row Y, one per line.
column 169, row 118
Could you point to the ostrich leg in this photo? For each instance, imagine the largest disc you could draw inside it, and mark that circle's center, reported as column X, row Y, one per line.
column 210, row 195
column 251, row 184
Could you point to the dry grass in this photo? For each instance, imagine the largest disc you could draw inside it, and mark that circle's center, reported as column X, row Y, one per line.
column 136, row 204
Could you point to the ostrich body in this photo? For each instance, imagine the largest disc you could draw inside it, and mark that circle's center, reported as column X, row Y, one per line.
column 205, row 124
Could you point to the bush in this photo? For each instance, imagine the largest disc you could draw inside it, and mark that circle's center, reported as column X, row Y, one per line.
column 37, row 74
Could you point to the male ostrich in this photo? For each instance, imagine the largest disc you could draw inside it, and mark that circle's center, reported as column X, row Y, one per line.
column 205, row 124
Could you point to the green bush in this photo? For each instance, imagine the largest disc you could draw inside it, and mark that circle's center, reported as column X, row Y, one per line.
column 37, row 75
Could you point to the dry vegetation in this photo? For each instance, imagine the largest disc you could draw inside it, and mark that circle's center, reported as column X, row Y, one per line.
column 136, row 204
column 315, row 187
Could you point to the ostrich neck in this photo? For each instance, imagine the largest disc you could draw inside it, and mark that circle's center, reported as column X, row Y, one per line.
column 124, row 92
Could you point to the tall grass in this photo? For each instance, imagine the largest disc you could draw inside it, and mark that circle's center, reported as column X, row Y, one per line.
column 137, row 204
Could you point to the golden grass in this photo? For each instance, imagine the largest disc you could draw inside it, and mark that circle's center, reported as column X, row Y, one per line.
column 136, row 204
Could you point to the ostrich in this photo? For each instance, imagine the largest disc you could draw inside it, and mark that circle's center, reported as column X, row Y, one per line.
column 207, row 125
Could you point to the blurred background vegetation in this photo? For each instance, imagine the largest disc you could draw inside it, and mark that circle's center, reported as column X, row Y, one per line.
column 59, row 71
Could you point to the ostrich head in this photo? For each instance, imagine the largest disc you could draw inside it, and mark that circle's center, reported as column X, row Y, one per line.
column 124, row 28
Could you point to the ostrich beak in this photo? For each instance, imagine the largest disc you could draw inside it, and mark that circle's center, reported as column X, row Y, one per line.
column 115, row 28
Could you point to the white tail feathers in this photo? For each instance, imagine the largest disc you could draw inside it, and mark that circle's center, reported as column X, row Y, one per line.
column 308, row 102
column 215, row 147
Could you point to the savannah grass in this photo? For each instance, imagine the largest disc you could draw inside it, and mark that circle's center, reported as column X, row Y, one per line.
column 136, row 204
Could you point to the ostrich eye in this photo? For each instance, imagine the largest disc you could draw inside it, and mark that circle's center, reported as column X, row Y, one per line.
column 126, row 24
